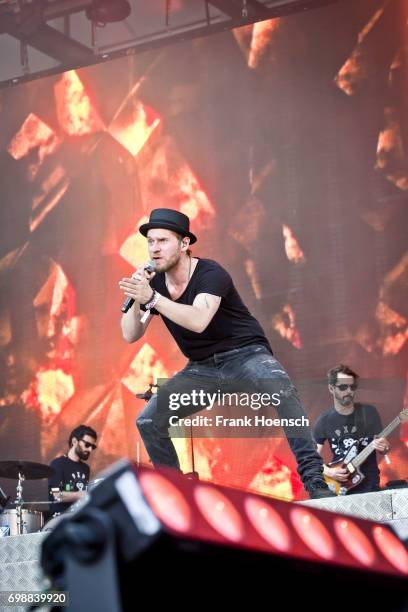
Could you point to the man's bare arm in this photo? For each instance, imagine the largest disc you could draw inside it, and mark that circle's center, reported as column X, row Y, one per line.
column 132, row 328
column 197, row 317
column 69, row 496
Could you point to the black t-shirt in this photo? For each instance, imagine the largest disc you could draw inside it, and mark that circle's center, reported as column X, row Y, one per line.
column 232, row 325
column 68, row 475
column 343, row 431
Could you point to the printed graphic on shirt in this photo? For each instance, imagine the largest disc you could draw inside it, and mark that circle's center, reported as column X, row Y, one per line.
column 79, row 480
column 344, row 443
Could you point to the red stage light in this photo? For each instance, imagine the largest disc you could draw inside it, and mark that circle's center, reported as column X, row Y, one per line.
column 392, row 549
column 313, row 533
column 355, row 541
column 268, row 523
column 166, row 501
column 224, row 517
column 219, row 512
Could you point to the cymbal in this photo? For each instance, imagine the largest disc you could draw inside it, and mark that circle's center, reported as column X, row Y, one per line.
column 30, row 470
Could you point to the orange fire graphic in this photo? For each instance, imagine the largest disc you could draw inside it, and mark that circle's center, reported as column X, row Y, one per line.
column 292, row 249
column 390, row 151
column 34, row 138
column 262, row 37
column 389, row 141
column 49, row 392
column 134, row 250
column 250, row 269
column 284, row 323
column 351, row 73
column 167, row 177
column 53, row 188
column 276, row 479
column 53, row 384
column 388, row 335
column 355, row 69
column 145, row 368
column 394, row 329
column 255, row 40
column 75, row 112
column 191, row 197
column 136, row 131
column 58, row 298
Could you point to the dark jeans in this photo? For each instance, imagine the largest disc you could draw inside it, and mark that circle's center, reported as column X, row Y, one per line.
column 254, row 364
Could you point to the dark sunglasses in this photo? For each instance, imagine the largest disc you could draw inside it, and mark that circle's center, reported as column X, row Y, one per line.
column 88, row 444
column 353, row 387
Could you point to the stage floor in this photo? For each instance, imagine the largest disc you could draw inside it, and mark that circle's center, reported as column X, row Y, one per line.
column 389, row 506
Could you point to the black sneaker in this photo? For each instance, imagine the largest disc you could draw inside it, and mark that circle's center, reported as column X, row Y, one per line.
column 318, row 490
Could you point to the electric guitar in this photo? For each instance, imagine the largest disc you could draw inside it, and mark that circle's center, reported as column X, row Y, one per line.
column 355, row 476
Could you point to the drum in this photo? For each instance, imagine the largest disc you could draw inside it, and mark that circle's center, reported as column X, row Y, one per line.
column 31, row 521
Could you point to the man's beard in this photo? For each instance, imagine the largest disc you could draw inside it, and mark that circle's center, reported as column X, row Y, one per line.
column 84, row 455
column 168, row 265
column 346, row 401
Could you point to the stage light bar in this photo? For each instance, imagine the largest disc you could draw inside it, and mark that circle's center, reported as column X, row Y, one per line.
column 234, row 518
column 139, row 522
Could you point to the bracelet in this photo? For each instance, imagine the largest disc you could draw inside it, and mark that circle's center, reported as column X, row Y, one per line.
column 153, row 300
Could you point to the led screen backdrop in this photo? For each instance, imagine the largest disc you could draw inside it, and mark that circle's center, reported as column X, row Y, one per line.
column 285, row 142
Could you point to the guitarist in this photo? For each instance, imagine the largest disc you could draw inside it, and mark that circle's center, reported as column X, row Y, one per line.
column 349, row 427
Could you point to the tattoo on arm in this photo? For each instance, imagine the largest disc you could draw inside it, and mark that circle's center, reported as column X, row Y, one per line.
column 206, row 301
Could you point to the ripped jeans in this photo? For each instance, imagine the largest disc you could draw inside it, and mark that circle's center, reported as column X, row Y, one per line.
column 254, row 364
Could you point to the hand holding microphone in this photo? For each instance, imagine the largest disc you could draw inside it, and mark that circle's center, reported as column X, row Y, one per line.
column 138, row 284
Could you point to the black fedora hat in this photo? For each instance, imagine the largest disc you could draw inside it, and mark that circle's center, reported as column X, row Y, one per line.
column 167, row 218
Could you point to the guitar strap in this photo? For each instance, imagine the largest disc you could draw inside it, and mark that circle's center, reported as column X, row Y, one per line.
column 360, row 421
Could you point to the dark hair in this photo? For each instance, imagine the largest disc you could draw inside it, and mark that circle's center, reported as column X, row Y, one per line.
column 81, row 431
column 340, row 369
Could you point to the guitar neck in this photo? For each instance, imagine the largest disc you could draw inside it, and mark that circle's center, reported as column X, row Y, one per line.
column 361, row 457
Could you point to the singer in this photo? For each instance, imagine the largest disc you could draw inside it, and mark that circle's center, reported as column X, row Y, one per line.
column 200, row 306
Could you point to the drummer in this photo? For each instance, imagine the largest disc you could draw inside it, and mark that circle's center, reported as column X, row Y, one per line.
column 71, row 472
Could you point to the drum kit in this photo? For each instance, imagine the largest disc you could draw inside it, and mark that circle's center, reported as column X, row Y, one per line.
column 25, row 517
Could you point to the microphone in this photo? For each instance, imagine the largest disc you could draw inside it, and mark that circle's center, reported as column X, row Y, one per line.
column 128, row 303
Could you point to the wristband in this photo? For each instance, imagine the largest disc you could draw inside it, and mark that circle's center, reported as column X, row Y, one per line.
column 153, row 300
column 150, row 300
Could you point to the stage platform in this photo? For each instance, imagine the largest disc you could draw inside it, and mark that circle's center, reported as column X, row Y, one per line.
column 388, row 506
column 20, row 568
